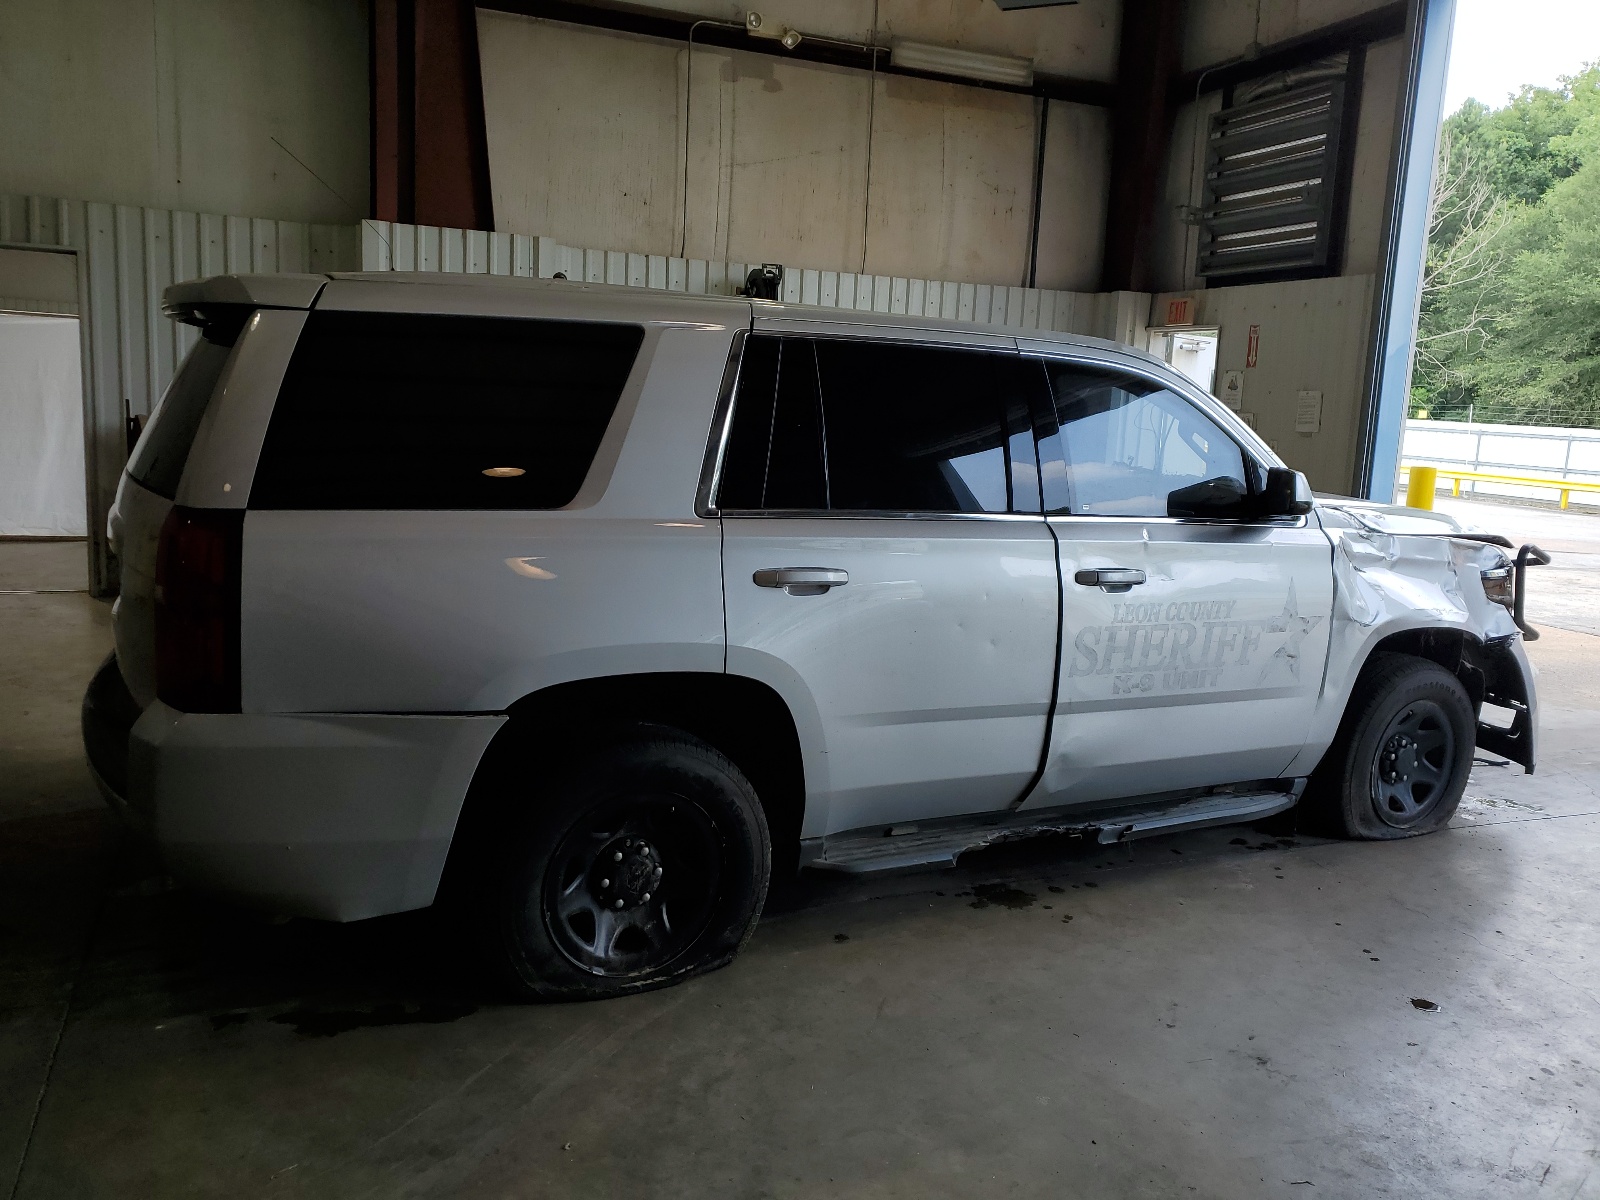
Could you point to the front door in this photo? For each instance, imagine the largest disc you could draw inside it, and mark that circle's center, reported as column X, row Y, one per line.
column 1192, row 651
column 887, row 570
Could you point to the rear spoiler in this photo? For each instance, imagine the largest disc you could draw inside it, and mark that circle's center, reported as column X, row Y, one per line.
column 224, row 300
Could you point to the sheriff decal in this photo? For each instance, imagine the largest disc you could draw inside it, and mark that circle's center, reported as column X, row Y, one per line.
column 1184, row 645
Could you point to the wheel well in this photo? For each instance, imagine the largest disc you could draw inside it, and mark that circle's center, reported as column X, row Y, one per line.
column 1455, row 651
column 1488, row 671
column 744, row 719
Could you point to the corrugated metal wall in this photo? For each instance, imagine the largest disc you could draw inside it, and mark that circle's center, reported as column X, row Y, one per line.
column 125, row 257
column 391, row 246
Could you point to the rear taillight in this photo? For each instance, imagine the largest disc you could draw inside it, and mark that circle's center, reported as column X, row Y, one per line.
column 197, row 609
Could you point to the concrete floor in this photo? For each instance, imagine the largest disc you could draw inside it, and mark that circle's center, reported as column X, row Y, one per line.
column 1222, row 1014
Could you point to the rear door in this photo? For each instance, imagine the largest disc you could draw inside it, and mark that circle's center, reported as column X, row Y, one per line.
column 887, row 569
column 1192, row 650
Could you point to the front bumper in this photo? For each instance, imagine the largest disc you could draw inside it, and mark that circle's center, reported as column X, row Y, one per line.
column 339, row 817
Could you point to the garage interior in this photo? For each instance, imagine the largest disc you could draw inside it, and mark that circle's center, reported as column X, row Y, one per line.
column 1233, row 1012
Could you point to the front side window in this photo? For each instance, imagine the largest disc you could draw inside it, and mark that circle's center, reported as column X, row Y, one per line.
column 1128, row 444
column 418, row 411
column 861, row 426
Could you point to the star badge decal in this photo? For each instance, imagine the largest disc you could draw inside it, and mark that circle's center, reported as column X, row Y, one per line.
column 1291, row 623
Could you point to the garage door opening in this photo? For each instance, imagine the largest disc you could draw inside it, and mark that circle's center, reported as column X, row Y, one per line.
column 1191, row 352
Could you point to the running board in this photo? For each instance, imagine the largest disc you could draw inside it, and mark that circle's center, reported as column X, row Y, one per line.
column 941, row 843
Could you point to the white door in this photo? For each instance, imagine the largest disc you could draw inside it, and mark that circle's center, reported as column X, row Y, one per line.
column 886, row 570
column 1192, row 650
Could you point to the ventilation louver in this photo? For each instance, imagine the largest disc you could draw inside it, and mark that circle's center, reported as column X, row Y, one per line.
column 1268, row 200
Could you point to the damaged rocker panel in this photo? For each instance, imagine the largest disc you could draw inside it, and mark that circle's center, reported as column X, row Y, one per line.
column 941, row 843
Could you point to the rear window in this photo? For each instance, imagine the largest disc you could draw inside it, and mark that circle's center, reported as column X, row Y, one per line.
column 404, row 411
column 158, row 459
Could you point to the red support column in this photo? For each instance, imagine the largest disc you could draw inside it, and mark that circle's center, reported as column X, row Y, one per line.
column 1141, row 133
column 430, row 154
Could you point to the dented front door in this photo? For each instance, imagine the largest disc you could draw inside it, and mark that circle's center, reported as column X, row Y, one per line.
column 1205, row 673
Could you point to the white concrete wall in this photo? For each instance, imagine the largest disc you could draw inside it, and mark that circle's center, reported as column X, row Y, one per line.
column 586, row 144
column 1313, row 337
column 1175, row 242
column 1369, row 182
column 1077, row 40
column 1216, row 30
column 200, row 105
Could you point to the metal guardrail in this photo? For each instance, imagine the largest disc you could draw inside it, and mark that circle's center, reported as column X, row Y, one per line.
column 1565, row 486
column 1538, row 451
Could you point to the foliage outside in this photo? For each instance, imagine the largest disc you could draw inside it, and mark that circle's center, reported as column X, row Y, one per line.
column 1510, row 328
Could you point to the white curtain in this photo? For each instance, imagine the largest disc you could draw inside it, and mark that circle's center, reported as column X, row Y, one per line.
column 41, row 427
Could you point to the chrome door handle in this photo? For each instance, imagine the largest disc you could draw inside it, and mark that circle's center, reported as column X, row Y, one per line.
column 1110, row 579
column 801, row 581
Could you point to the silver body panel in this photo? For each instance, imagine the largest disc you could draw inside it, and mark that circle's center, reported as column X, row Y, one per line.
column 381, row 650
column 929, row 671
column 1207, row 673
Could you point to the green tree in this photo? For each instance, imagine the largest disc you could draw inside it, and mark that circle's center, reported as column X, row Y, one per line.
column 1542, row 359
column 1511, row 291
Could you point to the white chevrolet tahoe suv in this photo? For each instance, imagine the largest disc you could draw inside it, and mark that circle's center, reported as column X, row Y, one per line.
column 592, row 608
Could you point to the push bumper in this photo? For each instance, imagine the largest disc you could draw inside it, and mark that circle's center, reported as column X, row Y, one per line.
column 338, row 817
column 1508, row 677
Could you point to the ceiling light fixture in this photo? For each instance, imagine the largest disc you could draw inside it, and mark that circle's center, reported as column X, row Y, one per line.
column 964, row 64
column 755, row 25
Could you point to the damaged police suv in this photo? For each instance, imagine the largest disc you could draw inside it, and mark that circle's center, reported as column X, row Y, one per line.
column 588, row 610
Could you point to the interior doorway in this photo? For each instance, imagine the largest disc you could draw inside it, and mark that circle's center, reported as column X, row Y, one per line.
column 41, row 427
column 44, row 520
column 1191, row 352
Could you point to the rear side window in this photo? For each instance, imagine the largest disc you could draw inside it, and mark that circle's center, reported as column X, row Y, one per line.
column 158, row 459
column 775, row 456
column 407, row 411
column 857, row 426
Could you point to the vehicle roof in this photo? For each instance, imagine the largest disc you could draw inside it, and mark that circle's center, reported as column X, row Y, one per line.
column 302, row 290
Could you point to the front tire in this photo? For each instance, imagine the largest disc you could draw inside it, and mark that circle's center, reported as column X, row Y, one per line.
column 1402, row 755
column 646, row 861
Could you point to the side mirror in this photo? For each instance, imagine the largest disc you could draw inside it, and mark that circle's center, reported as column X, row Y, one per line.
column 1218, row 499
column 1287, row 494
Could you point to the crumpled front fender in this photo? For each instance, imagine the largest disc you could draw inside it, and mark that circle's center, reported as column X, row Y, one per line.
column 1400, row 579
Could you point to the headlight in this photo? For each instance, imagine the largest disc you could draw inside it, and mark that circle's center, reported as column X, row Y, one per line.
column 1498, row 584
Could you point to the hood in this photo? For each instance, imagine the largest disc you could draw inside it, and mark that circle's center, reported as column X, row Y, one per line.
column 1377, row 517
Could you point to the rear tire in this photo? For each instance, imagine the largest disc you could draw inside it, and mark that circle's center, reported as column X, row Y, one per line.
column 644, row 862
column 1400, row 761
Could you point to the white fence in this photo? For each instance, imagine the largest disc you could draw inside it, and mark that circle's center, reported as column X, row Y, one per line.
column 1506, row 450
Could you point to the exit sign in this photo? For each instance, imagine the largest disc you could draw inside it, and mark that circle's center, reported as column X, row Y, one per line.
column 1180, row 311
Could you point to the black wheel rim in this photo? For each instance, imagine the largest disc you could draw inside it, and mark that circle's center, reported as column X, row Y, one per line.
column 632, row 884
column 1416, row 757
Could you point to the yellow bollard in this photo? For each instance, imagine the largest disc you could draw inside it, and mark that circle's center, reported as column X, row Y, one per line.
column 1420, row 486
